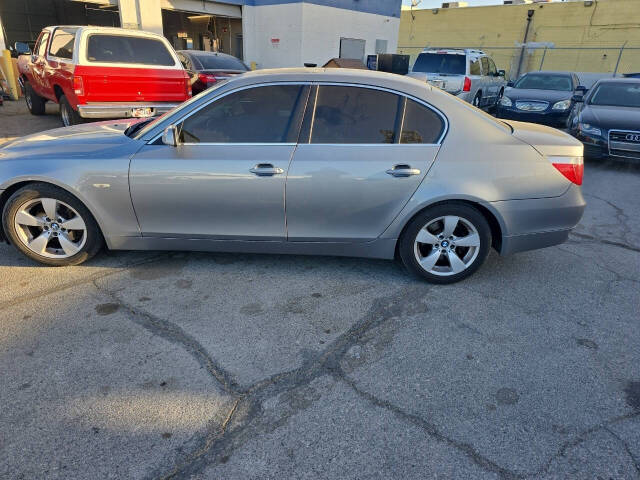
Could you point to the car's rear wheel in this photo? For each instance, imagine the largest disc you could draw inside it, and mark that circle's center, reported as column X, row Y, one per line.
column 68, row 115
column 445, row 243
column 51, row 226
column 35, row 103
column 477, row 100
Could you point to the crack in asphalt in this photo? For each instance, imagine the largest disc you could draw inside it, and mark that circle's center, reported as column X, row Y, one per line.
column 624, row 443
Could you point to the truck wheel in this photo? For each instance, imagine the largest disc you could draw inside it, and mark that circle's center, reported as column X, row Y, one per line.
column 67, row 114
column 35, row 103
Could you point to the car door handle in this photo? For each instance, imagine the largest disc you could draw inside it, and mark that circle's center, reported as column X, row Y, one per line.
column 266, row 170
column 403, row 170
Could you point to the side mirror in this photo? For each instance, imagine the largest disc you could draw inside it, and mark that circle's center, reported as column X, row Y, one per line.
column 510, row 83
column 170, row 136
column 578, row 98
column 22, row 48
column 501, row 73
column 582, row 89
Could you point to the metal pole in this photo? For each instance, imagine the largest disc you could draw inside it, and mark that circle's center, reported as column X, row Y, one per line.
column 619, row 57
column 524, row 42
column 543, row 55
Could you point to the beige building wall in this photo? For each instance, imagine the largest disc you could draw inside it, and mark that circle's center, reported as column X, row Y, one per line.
column 600, row 29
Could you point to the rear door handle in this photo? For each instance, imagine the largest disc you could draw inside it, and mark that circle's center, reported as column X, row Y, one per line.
column 403, row 170
column 266, row 170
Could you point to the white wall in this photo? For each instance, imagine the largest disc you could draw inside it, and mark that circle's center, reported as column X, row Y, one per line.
column 309, row 33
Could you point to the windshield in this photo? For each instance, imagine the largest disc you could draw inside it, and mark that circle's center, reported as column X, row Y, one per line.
column 617, row 95
column 561, row 83
column 447, row 63
column 219, row 62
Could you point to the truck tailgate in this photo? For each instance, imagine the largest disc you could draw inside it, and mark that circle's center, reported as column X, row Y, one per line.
column 124, row 84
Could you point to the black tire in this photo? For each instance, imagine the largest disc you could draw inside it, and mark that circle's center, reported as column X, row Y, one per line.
column 477, row 100
column 407, row 246
column 92, row 244
column 68, row 115
column 35, row 103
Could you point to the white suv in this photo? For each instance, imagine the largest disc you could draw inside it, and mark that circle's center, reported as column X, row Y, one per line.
column 468, row 74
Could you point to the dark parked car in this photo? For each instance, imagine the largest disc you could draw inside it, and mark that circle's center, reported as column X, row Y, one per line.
column 540, row 97
column 208, row 68
column 607, row 122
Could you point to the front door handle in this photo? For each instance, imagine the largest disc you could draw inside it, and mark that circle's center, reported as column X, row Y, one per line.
column 403, row 170
column 266, row 170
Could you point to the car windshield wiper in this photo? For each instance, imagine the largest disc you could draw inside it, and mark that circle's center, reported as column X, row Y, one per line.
column 132, row 129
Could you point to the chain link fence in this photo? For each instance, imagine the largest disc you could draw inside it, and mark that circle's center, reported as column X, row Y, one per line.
column 605, row 60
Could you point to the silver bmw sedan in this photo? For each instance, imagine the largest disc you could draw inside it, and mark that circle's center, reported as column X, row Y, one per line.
column 301, row 161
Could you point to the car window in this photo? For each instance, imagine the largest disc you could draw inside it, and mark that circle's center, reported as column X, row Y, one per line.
column 545, row 82
column 617, row 95
column 492, row 67
column 185, row 61
column 485, row 65
column 474, row 67
column 128, row 49
column 62, row 43
column 450, row 63
column 42, row 44
column 420, row 124
column 354, row 115
column 269, row 114
column 220, row 62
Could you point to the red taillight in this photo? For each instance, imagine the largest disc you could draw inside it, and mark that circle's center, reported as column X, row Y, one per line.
column 78, row 86
column 467, row 85
column 207, row 78
column 187, row 86
column 571, row 167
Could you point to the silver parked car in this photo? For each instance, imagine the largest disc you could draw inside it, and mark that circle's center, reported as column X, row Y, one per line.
column 302, row 161
column 469, row 74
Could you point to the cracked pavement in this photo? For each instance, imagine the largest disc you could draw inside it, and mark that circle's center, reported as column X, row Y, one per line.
column 206, row 366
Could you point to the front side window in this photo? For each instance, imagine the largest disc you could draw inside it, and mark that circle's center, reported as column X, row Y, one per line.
column 354, row 115
column 485, row 65
column 128, row 49
column 42, row 44
column 420, row 124
column 492, row 67
column 474, row 68
column 62, row 43
column 269, row 114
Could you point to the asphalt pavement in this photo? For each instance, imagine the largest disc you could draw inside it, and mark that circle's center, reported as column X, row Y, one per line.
column 162, row 365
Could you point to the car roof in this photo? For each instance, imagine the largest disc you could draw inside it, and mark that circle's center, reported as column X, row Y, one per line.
column 619, row 80
column 202, row 53
column 550, row 72
column 117, row 30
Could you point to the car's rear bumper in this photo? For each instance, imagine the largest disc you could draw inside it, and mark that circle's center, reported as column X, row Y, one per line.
column 540, row 222
column 550, row 118
column 122, row 109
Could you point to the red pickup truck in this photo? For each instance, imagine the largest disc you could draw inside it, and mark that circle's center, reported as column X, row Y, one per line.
column 100, row 72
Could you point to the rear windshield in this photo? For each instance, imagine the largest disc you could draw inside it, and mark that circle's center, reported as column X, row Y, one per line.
column 219, row 62
column 125, row 49
column 560, row 83
column 617, row 95
column 441, row 63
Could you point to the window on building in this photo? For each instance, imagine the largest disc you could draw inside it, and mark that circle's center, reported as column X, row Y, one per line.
column 270, row 114
column 354, row 115
column 62, row 43
column 420, row 124
column 128, row 49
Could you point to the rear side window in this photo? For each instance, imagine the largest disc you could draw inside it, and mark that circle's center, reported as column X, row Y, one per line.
column 420, row 124
column 270, row 114
column 354, row 115
column 441, row 63
column 62, row 43
column 128, row 49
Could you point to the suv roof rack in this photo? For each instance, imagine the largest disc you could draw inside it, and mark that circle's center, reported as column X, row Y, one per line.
column 459, row 49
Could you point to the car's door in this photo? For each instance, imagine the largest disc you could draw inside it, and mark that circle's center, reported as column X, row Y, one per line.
column 496, row 81
column 226, row 177
column 363, row 152
column 38, row 65
column 487, row 81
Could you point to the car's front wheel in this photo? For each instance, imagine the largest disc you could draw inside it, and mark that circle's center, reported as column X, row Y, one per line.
column 35, row 103
column 51, row 226
column 445, row 243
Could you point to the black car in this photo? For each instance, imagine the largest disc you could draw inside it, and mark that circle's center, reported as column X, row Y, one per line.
column 540, row 97
column 607, row 120
column 208, row 68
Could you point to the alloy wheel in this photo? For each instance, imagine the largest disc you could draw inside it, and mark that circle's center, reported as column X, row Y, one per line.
column 66, row 115
column 447, row 245
column 50, row 228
